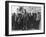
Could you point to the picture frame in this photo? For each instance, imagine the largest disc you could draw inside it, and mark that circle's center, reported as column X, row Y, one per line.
column 10, row 8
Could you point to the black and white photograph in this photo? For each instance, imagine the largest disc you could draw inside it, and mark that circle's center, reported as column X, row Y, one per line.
column 25, row 18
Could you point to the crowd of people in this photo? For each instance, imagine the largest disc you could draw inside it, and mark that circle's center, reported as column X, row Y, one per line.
column 25, row 21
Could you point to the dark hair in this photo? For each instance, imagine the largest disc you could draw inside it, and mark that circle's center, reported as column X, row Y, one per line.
column 20, row 8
